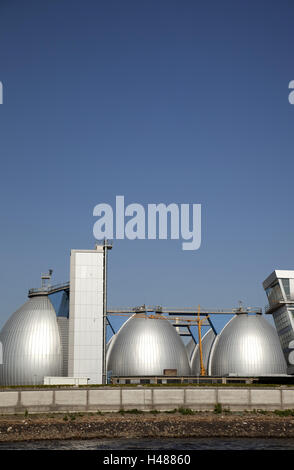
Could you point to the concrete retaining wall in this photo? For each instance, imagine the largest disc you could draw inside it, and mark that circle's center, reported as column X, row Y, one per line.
column 114, row 399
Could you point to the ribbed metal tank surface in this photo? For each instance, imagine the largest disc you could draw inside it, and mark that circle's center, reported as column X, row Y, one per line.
column 145, row 346
column 207, row 342
column 31, row 344
column 63, row 325
column 190, row 347
column 247, row 346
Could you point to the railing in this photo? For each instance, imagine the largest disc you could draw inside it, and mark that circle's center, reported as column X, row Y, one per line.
column 49, row 289
column 182, row 311
column 275, row 304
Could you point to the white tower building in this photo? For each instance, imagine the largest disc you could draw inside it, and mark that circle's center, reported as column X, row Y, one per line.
column 87, row 314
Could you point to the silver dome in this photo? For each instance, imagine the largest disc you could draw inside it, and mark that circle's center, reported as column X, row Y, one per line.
column 207, row 342
column 145, row 346
column 247, row 346
column 190, row 348
column 31, row 344
column 109, row 344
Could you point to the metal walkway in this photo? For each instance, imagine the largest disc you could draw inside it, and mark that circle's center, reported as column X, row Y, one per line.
column 48, row 289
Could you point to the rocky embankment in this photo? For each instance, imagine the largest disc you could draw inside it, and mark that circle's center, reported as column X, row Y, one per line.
column 138, row 425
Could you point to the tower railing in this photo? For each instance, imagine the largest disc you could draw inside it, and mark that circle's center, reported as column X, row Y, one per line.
column 48, row 289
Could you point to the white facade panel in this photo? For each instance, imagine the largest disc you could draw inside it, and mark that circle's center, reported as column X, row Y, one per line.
column 86, row 314
column 65, row 381
column 278, row 274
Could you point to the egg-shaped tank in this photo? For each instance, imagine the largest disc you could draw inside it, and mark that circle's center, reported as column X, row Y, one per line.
column 247, row 346
column 190, row 347
column 31, row 344
column 145, row 346
column 207, row 342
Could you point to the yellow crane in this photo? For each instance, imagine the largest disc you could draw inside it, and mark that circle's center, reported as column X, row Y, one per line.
column 199, row 322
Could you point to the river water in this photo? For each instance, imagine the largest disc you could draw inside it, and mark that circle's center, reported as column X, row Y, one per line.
column 156, row 444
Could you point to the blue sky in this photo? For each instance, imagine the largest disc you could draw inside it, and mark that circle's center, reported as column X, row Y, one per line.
column 159, row 101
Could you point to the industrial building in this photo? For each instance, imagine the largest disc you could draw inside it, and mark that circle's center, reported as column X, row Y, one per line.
column 279, row 288
column 59, row 335
column 66, row 341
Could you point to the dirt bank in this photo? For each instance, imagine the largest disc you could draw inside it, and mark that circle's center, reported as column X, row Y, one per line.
column 116, row 425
